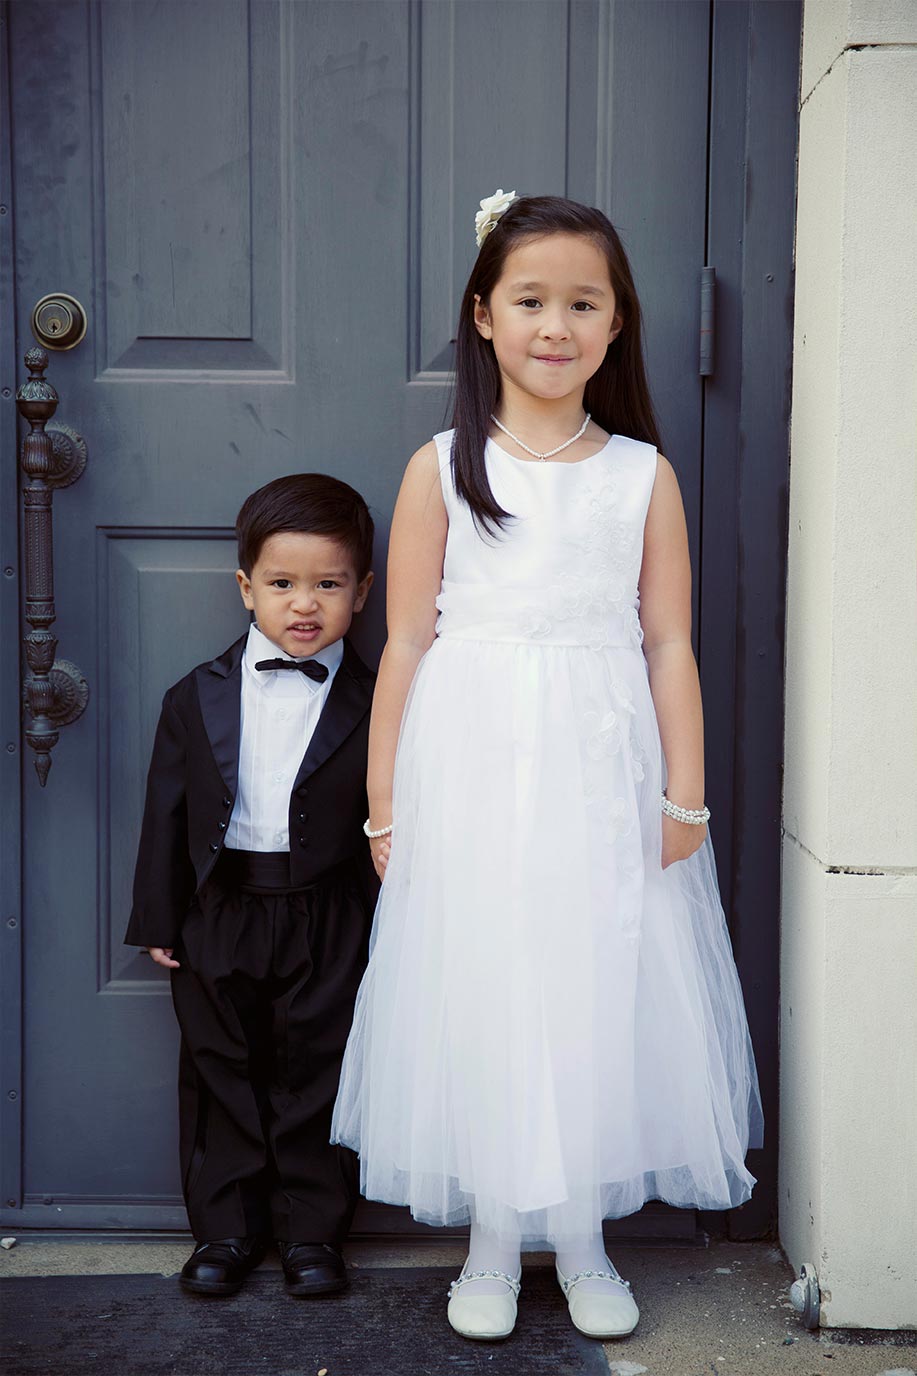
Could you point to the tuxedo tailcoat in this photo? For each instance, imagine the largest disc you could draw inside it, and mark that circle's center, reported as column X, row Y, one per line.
column 193, row 779
column 267, row 979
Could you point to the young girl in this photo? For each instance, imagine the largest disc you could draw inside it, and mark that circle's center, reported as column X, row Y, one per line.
column 551, row 1030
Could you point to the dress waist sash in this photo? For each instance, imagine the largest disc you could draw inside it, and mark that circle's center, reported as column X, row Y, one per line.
column 577, row 613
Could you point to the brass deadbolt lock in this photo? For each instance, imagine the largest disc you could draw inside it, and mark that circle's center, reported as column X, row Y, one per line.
column 58, row 321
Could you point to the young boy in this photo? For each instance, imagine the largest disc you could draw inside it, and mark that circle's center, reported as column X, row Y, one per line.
column 254, row 886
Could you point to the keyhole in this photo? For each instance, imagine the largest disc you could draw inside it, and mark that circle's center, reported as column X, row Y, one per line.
column 58, row 321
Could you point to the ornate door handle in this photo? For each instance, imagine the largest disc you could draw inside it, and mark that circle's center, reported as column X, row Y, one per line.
column 54, row 691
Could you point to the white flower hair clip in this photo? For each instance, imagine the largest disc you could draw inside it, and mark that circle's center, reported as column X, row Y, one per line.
column 492, row 207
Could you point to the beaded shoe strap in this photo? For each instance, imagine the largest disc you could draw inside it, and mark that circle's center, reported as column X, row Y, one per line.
column 514, row 1285
column 567, row 1284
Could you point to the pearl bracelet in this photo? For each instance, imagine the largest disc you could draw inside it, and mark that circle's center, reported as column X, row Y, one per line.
column 374, row 835
column 693, row 816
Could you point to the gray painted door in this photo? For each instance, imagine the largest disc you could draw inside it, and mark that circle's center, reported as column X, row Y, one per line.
column 267, row 209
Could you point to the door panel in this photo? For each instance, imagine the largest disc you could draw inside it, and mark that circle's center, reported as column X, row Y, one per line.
column 273, row 201
column 191, row 137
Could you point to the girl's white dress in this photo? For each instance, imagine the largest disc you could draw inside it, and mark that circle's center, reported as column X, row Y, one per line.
column 551, row 1029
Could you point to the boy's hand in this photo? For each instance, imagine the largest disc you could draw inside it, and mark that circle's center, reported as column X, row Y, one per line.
column 381, row 849
column 679, row 839
column 163, row 956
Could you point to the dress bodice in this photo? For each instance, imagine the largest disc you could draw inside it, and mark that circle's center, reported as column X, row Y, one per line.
column 565, row 568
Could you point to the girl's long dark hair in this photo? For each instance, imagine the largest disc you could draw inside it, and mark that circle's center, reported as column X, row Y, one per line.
column 617, row 395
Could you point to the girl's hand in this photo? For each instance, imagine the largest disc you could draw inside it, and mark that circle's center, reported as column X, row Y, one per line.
column 163, row 956
column 381, row 849
column 679, row 839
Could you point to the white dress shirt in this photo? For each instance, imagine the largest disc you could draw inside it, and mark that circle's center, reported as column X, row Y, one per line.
column 280, row 709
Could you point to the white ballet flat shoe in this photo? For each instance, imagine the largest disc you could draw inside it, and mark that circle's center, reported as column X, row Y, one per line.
column 611, row 1314
column 485, row 1317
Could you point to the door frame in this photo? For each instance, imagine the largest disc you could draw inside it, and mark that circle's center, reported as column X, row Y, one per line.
column 752, row 131
column 10, row 710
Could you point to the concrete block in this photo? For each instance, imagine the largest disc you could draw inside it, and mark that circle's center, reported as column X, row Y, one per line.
column 848, row 1106
column 872, row 817
column 830, row 26
column 824, row 38
column 852, row 579
column 814, row 439
column 802, row 1054
column 868, row 1258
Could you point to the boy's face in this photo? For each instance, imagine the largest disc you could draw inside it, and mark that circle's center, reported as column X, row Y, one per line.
column 304, row 591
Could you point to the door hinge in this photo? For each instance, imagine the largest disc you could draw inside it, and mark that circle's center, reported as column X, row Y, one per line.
column 707, row 320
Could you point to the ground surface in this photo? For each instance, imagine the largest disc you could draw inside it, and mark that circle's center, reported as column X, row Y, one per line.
column 716, row 1311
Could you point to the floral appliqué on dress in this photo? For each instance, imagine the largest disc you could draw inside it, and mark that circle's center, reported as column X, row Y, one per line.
column 595, row 598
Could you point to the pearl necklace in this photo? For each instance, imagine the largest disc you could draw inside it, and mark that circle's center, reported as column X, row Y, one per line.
column 543, row 458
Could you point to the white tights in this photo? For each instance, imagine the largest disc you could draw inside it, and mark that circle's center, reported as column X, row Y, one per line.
column 585, row 1254
column 487, row 1252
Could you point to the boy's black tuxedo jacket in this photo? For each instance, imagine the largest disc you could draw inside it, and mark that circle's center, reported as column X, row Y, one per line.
column 192, row 788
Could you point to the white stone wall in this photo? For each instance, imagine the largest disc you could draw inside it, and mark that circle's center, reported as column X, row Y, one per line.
column 848, row 1137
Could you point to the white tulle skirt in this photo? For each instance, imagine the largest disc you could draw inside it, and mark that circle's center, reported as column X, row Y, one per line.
column 551, row 1028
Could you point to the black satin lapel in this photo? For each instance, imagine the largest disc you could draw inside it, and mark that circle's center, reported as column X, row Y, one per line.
column 348, row 702
column 219, row 688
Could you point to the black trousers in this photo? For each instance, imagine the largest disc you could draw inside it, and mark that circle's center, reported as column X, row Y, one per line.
column 264, row 997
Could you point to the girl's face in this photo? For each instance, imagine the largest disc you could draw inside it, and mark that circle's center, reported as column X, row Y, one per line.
column 551, row 316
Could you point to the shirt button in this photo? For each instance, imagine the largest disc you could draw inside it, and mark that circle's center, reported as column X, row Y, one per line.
column 278, row 775
column 281, row 714
column 278, row 838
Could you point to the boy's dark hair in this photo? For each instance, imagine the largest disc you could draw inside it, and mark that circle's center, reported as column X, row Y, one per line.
column 617, row 396
column 313, row 504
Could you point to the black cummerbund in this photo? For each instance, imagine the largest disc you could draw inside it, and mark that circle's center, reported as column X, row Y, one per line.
column 256, row 871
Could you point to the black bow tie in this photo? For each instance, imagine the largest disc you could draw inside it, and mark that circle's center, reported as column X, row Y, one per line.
column 310, row 667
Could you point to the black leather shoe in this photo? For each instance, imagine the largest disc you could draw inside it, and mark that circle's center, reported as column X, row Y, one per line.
column 219, row 1268
column 312, row 1269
